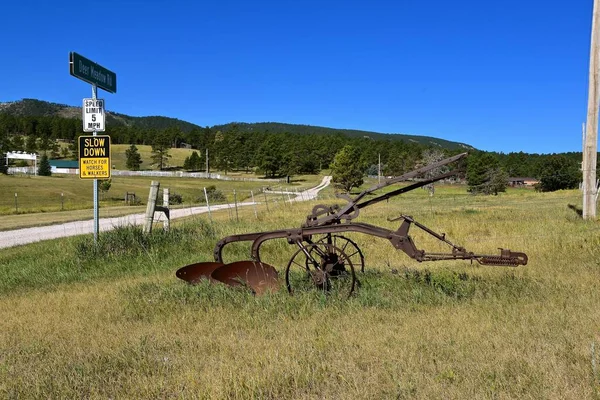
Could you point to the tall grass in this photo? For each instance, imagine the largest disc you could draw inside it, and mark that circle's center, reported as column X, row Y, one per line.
column 112, row 321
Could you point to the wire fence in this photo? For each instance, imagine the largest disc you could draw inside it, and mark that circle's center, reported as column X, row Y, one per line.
column 22, row 202
column 57, row 200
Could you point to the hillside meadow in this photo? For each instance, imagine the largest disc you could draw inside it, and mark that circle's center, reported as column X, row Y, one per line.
column 113, row 321
column 176, row 159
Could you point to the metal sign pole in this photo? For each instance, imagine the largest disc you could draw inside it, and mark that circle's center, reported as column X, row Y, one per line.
column 94, row 155
column 96, row 213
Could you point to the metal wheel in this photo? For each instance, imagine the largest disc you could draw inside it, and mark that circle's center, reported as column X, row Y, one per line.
column 349, row 247
column 321, row 266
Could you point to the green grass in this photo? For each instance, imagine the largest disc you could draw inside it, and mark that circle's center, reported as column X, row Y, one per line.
column 119, row 158
column 37, row 194
column 113, row 321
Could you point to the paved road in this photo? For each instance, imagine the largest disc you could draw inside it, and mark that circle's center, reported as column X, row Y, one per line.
column 30, row 235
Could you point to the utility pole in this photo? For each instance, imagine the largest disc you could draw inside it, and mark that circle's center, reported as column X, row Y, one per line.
column 583, row 159
column 590, row 149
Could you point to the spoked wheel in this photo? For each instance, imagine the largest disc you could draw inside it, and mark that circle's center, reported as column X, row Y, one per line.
column 349, row 247
column 321, row 266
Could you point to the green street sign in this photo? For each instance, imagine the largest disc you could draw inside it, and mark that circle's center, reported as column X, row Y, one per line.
column 86, row 70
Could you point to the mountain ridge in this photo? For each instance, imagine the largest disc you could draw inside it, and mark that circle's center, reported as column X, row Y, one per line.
column 41, row 108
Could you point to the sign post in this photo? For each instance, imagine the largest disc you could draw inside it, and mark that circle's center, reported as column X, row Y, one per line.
column 94, row 151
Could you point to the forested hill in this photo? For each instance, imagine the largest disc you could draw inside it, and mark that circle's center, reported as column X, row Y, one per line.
column 39, row 108
column 275, row 149
column 277, row 127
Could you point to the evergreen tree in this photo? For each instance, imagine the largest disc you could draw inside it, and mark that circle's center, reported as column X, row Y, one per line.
column 194, row 163
column 3, row 166
column 497, row 180
column 17, row 143
column 134, row 159
column 31, row 144
column 269, row 156
column 160, row 149
column 54, row 150
column 44, row 168
column 484, row 174
column 64, row 152
column 559, row 172
column 74, row 149
column 346, row 168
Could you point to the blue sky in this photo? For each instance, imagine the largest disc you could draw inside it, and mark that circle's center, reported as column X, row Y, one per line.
column 501, row 76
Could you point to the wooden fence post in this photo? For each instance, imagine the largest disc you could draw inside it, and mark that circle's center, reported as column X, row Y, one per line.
column 266, row 201
column 254, row 204
column 151, row 206
column 236, row 208
column 207, row 205
column 167, row 221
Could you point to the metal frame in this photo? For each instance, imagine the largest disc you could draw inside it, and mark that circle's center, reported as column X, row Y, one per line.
column 337, row 220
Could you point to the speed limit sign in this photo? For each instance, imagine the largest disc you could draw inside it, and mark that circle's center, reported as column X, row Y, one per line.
column 93, row 115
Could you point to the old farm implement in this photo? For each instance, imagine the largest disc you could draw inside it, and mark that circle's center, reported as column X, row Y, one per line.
column 327, row 260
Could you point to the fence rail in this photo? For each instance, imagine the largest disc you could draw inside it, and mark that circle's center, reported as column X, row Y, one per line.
column 174, row 174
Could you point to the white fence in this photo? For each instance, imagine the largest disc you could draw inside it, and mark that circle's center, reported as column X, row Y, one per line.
column 174, row 174
column 181, row 174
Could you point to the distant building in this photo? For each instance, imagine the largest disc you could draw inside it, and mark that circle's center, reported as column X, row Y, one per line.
column 64, row 166
column 518, row 181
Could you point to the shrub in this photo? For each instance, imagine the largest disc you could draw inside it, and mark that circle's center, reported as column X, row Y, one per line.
column 214, row 195
column 175, row 198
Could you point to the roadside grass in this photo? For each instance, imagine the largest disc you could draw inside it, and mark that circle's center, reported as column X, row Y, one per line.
column 112, row 321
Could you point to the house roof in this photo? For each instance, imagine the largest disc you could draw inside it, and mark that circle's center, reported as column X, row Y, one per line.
column 64, row 163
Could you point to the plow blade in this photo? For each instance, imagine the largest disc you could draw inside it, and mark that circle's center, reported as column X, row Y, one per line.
column 193, row 273
column 258, row 276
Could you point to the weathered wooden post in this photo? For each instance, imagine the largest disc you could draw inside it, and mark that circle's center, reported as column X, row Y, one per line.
column 254, row 204
column 167, row 220
column 266, row 201
column 237, row 219
column 151, row 206
column 207, row 205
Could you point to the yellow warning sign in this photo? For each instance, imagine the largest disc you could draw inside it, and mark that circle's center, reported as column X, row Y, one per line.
column 94, row 157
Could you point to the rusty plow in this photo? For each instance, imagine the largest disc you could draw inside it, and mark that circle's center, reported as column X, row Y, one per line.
column 324, row 258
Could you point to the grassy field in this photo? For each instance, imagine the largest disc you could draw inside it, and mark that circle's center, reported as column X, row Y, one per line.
column 113, row 321
column 177, row 158
column 37, row 194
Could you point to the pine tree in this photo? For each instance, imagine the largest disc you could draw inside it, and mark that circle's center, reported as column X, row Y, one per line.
column 160, row 149
column 346, row 169
column 484, row 174
column 134, row 159
column 3, row 166
column 195, row 162
column 44, row 168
